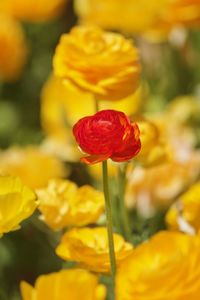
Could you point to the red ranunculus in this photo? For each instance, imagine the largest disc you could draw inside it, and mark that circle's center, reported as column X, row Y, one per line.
column 107, row 134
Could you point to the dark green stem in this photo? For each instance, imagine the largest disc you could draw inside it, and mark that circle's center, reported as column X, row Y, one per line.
column 109, row 221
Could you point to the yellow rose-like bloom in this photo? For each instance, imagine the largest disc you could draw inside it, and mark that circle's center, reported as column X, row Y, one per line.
column 33, row 10
column 103, row 63
column 17, row 202
column 13, row 49
column 186, row 212
column 89, row 247
column 74, row 284
column 63, row 204
column 164, row 268
column 32, row 165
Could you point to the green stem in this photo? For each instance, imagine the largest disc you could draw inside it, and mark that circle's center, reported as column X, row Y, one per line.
column 97, row 108
column 109, row 221
column 123, row 209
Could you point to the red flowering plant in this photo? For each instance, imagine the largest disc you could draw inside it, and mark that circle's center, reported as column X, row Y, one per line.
column 107, row 134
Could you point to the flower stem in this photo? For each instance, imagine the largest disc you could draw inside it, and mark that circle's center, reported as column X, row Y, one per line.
column 109, row 221
column 96, row 102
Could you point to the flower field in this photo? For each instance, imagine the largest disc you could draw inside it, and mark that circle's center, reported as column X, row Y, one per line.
column 99, row 149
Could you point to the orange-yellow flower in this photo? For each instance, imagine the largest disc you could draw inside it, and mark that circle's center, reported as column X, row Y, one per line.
column 166, row 267
column 181, row 12
column 17, row 202
column 154, row 18
column 33, row 10
column 129, row 15
column 13, row 49
column 74, row 284
column 158, row 186
column 32, row 165
column 103, row 63
column 89, row 247
column 153, row 148
column 184, row 215
column 63, row 204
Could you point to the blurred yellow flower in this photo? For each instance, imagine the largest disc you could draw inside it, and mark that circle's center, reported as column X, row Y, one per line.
column 17, row 202
column 13, row 49
column 103, row 63
column 166, row 267
column 183, row 109
column 33, row 10
column 181, row 12
column 158, row 186
column 32, row 165
column 74, row 284
column 129, row 15
column 89, row 247
column 63, row 204
column 154, row 148
column 152, row 18
column 184, row 215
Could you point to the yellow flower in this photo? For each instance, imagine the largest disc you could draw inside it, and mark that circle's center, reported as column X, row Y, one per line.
column 185, row 214
column 129, row 15
column 154, row 149
column 33, row 10
column 32, row 165
column 17, row 202
column 13, row 49
column 63, row 204
column 164, row 268
column 74, row 284
column 152, row 18
column 181, row 12
column 89, row 247
column 102, row 63
column 183, row 109
column 158, row 186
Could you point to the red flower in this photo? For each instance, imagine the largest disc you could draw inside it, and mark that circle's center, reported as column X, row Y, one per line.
column 107, row 134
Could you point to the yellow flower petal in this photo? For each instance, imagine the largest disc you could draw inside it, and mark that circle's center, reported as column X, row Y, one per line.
column 89, row 247
column 187, row 208
column 74, row 284
column 165, row 267
column 63, row 204
column 17, row 202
